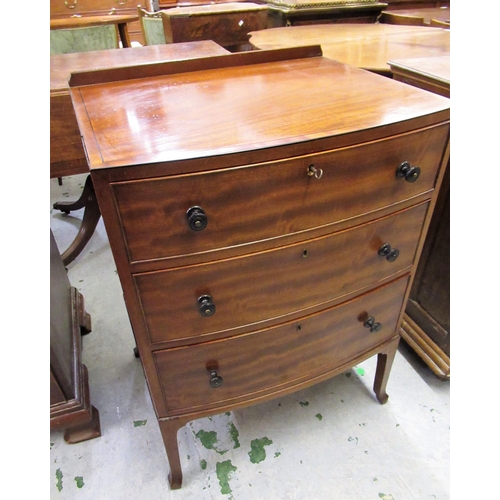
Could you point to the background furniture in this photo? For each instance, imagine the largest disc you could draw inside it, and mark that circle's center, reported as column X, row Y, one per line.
column 152, row 27
column 265, row 231
column 366, row 46
column 70, row 407
column 117, row 22
column 418, row 16
column 426, row 325
column 65, row 9
column 299, row 12
column 67, row 156
column 67, row 41
column 401, row 19
column 228, row 24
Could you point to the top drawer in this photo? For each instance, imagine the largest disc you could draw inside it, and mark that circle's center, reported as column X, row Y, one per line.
column 252, row 203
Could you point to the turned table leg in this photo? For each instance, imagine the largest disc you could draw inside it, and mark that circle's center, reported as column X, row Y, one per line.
column 169, row 429
column 90, row 219
column 384, row 365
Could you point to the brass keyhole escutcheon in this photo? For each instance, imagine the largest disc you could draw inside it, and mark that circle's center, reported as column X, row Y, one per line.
column 313, row 171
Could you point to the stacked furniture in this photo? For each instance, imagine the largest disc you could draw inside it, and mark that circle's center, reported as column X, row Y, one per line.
column 61, row 9
column 265, row 231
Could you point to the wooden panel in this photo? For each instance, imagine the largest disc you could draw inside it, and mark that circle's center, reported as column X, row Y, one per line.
column 274, row 358
column 226, row 24
column 245, row 204
column 62, row 8
column 269, row 285
column 66, row 151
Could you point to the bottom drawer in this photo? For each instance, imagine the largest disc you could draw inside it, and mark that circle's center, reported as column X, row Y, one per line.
column 272, row 359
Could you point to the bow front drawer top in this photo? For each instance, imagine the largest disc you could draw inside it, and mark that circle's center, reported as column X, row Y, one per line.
column 266, row 211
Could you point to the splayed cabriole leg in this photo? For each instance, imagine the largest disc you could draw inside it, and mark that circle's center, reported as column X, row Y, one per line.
column 90, row 219
column 384, row 365
column 169, row 429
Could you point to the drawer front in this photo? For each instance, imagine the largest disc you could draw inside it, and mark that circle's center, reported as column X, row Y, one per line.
column 266, row 201
column 69, row 8
column 272, row 284
column 269, row 360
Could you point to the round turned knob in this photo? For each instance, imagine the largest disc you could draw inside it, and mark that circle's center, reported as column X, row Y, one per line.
column 206, row 306
column 197, row 218
column 391, row 254
column 406, row 171
column 215, row 380
column 373, row 325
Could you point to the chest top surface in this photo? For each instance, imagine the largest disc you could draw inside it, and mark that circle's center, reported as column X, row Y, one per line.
column 62, row 65
column 235, row 103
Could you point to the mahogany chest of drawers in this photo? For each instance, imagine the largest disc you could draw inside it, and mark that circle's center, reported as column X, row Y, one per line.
column 266, row 211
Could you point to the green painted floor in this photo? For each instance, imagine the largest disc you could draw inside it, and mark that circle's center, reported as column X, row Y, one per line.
column 333, row 441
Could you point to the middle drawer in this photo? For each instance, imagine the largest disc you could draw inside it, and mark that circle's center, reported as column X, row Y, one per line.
column 187, row 302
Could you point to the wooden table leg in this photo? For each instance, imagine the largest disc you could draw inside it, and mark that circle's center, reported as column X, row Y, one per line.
column 384, row 365
column 169, row 429
column 122, row 29
column 90, row 219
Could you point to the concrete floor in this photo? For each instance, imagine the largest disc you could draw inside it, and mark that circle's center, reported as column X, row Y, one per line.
column 331, row 441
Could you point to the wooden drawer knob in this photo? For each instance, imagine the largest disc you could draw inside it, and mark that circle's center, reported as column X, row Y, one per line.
column 197, row 218
column 406, row 171
column 206, row 306
column 215, row 380
column 373, row 325
column 391, row 254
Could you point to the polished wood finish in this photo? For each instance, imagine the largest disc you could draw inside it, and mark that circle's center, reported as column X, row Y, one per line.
column 429, row 73
column 70, row 406
column 291, row 355
column 245, row 284
column 426, row 326
column 401, row 19
column 415, row 4
column 367, row 46
column 299, row 188
column 426, row 15
column 139, row 202
column 436, row 23
column 228, row 24
column 67, row 156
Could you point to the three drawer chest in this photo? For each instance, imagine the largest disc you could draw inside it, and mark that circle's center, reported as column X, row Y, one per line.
column 266, row 211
